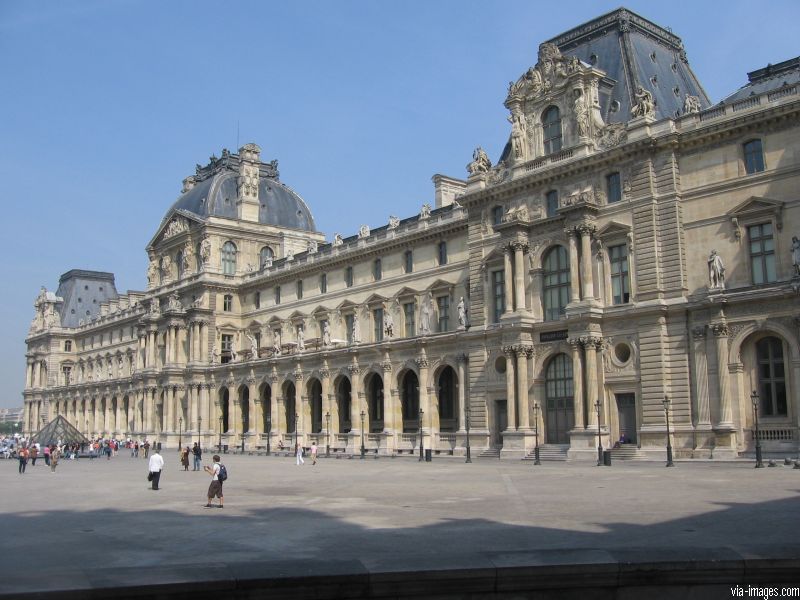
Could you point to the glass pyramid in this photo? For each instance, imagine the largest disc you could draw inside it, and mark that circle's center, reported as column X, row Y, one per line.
column 59, row 430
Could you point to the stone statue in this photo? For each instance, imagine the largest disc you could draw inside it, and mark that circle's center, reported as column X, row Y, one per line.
column 276, row 342
column 796, row 254
column 166, row 268
column 425, row 211
column 644, row 106
column 356, row 329
column 363, row 231
column 518, row 135
column 425, row 314
column 289, row 255
column 301, row 338
column 388, row 323
column 462, row 313
column 312, row 247
column 581, row 115
column 326, row 334
column 253, row 345
column 716, row 271
column 337, row 240
column 480, row 162
column 110, row 370
column 233, row 355
column 152, row 274
column 186, row 259
column 214, row 358
column 205, row 252
column 394, row 222
column 691, row 104
column 175, row 301
column 155, row 309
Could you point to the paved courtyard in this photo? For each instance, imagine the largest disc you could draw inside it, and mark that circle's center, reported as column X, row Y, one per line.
column 102, row 513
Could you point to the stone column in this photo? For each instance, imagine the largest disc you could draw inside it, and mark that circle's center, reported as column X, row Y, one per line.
column 424, row 397
column 29, row 375
column 511, row 401
column 537, row 284
column 720, row 331
column 194, row 337
column 462, row 390
column 586, row 261
column 182, row 345
column 703, row 409
column 507, row 275
column 519, row 275
column 152, row 344
column 574, row 285
column 523, row 352
column 590, row 346
column 577, row 382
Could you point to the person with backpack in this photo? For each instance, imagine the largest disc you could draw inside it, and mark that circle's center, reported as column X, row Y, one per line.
column 218, row 474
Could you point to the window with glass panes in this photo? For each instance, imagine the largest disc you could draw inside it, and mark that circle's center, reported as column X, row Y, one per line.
column 257, row 299
column 753, row 156
column 227, row 347
column 348, row 323
column 408, row 260
column 497, row 215
column 408, row 318
column 348, row 277
column 377, row 324
column 499, row 294
column 620, row 280
column 556, row 283
column 551, row 203
column 442, row 253
column 228, row 258
column 613, row 188
column 771, row 377
column 227, row 303
column 762, row 253
column 277, row 294
column 323, row 283
column 551, row 127
column 300, row 289
column 443, row 304
column 377, row 269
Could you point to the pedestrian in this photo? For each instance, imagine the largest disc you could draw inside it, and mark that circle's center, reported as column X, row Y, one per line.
column 46, row 455
column 313, row 453
column 55, row 454
column 34, row 455
column 215, row 488
column 23, row 459
column 197, row 452
column 156, row 464
column 298, row 449
column 136, row 449
column 185, row 458
column 146, row 448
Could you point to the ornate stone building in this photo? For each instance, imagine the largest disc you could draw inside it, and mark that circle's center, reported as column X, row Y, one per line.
column 632, row 243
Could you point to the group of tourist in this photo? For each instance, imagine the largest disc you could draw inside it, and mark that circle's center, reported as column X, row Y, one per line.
column 216, row 470
column 51, row 454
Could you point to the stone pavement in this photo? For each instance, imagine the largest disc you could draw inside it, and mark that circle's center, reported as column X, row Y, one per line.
column 102, row 514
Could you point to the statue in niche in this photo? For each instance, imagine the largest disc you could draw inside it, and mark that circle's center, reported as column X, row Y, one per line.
column 290, row 256
column 205, row 252
column 644, row 105
column 581, row 114
column 716, row 271
column 691, row 104
column 276, row 342
column 166, row 268
column 480, row 162
column 796, row 254
column 462, row 313
column 518, row 135
column 253, row 345
column 356, row 329
column 152, row 274
column 175, row 301
column 326, row 334
column 301, row 338
column 425, row 314
column 214, row 358
column 337, row 240
column 388, row 323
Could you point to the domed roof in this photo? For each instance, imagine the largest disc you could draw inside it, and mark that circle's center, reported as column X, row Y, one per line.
column 216, row 195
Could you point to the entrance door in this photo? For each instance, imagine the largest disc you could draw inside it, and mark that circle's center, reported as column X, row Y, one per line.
column 560, row 407
column 501, row 421
column 626, row 408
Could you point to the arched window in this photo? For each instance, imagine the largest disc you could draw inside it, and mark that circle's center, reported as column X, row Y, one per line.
column 409, row 389
column 266, row 256
column 551, row 126
column 771, row 377
column 556, row 283
column 228, row 258
column 560, row 411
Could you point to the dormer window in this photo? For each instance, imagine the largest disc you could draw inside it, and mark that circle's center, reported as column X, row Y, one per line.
column 551, row 128
column 228, row 258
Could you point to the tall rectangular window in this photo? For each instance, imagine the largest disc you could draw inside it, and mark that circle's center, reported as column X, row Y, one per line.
column 377, row 269
column 300, row 289
column 497, row 214
column 323, row 283
column 227, row 347
column 408, row 261
column 227, row 303
column 753, row 156
column 277, row 294
column 551, row 203
column 442, row 253
column 348, row 277
column 443, row 304
column 613, row 188
column 68, row 346
column 499, row 294
column 620, row 280
column 257, row 299
column 762, row 253
column 348, row 323
column 408, row 319
column 377, row 324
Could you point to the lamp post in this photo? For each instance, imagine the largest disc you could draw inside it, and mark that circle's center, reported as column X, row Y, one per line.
column 421, row 458
column 669, row 443
column 199, row 421
column 219, row 448
column 536, row 460
column 327, row 434
column 597, row 407
column 754, row 398
column 363, row 450
column 269, row 431
column 467, row 413
column 180, row 431
column 296, row 421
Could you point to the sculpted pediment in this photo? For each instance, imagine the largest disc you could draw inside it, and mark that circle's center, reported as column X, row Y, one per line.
column 175, row 224
column 550, row 72
column 612, row 229
column 756, row 207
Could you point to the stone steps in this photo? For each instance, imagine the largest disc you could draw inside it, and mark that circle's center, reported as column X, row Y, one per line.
column 549, row 452
column 627, row 452
column 493, row 452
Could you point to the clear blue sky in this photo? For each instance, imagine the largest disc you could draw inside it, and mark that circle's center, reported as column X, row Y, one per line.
column 107, row 105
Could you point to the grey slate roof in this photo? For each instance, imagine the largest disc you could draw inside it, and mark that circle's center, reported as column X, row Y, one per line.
column 83, row 292
column 634, row 51
column 769, row 78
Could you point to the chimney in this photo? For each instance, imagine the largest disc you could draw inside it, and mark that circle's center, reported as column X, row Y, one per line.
column 247, row 202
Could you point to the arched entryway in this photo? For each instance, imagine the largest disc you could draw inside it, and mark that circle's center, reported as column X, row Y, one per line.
column 244, row 408
column 266, row 407
column 560, row 411
column 315, row 402
column 409, row 401
column 224, row 413
column 447, row 387
column 343, row 403
column 290, row 406
column 374, row 386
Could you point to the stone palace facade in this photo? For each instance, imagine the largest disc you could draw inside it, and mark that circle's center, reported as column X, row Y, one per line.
column 633, row 243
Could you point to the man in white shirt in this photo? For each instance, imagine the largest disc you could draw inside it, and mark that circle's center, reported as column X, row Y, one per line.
column 155, row 466
column 215, row 489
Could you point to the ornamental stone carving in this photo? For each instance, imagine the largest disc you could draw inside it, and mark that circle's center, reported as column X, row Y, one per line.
column 337, row 240
column 363, row 232
column 152, row 274
column 699, row 333
column 480, row 162
column 716, row 271
column 205, row 253
column 312, row 247
column 612, row 135
column 394, row 222
column 176, row 226
column 691, row 104
column 550, row 72
column 720, row 330
column 425, row 211
column 644, row 106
